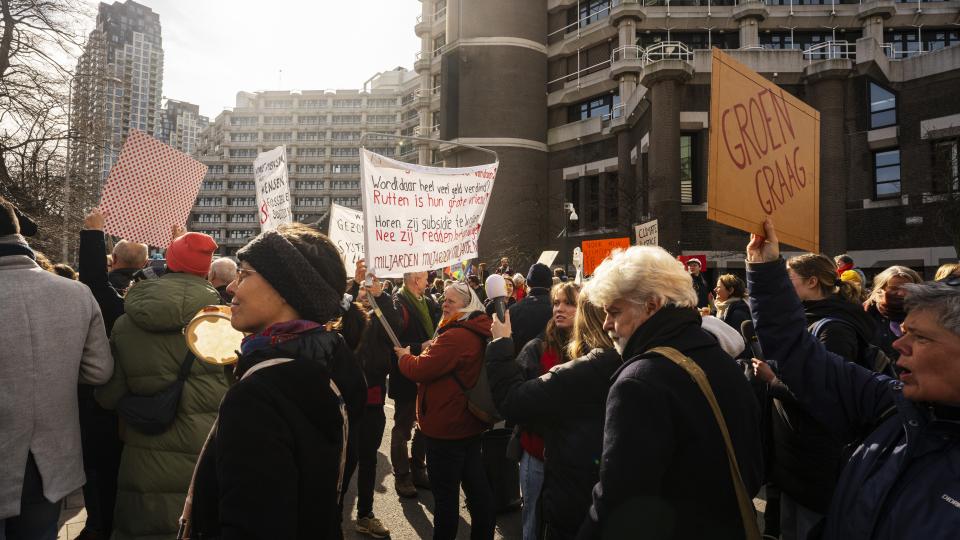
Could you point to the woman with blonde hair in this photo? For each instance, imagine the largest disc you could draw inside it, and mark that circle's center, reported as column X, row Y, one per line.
column 886, row 306
column 567, row 404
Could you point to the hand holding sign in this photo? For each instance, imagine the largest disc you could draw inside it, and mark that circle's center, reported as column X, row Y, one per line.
column 766, row 247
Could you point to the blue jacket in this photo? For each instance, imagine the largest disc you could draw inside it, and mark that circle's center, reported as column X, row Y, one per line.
column 903, row 482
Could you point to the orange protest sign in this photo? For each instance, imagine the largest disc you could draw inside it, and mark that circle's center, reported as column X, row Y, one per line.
column 595, row 251
column 764, row 157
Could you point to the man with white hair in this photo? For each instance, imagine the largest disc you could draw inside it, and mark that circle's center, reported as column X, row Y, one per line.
column 128, row 257
column 222, row 272
column 664, row 471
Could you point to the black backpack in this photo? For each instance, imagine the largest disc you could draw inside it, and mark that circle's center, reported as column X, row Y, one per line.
column 153, row 415
column 871, row 356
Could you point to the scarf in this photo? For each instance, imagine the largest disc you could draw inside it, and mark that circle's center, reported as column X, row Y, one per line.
column 421, row 309
column 723, row 306
column 275, row 334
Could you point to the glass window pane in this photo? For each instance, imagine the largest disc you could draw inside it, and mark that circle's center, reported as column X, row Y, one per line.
column 888, row 189
column 882, row 159
column 886, row 174
column 881, row 99
column 883, row 119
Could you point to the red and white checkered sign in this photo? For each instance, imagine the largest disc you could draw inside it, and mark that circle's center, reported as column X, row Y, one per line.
column 150, row 188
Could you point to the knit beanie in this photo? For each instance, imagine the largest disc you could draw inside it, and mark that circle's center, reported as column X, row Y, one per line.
column 191, row 253
column 540, row 276
column 303, row 266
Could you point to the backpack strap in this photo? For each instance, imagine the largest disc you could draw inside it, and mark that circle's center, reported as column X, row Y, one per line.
column 186, row 365
column 747, row 513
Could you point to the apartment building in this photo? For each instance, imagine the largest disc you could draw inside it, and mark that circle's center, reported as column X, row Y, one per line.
column 604, row 105
column 181, row 125
column 117, row 86
column 322, row 131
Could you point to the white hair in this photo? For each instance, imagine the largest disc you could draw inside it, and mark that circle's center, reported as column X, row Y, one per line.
column 640, row 274
column 223, row 269
column 128, row 254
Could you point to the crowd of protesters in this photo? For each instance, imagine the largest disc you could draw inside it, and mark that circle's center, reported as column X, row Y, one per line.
column 640, row 402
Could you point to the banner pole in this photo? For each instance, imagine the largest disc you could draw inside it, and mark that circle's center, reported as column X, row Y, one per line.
column 363, row 138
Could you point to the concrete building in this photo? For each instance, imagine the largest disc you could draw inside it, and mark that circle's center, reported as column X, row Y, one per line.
column 604, row 104
column 181, row 125
column 117, row 86
column 321, row 129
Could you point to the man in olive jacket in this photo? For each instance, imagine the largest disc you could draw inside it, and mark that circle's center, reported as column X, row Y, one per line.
column 149, row 347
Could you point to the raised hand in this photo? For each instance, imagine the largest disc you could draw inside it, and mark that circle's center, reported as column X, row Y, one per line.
column 766, row 247
column 94, row 220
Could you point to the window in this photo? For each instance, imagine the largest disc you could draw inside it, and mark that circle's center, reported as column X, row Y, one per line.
column 309, row 136
column 339, row 168
column 209, row 201
column 310, row 120
column 345, row 152
column 347, row 201
column 313, row 103
column 211, row 186
column 243, row 120
column 590, row 12
column 309, row 168
column 214, row 233
column 305, row 218
column 886, row 167
column 240, row 169
column 309, row 152
column 346, row 135
column 347, row 103
column 345, row 184
column 346, row 119
column 241, row 201
column 381, row 103
column 309, row 184
column 946, row 173
column 207, row 218
column 241, row 234
column 241, row 184
column 242, row 152
column 277, row 120
column 279, row 136
column 381, row 118
column 598, row 106
column 278, row 103
column 242, row 218
column 243, row 137
column 686, row 170
column 410, row 115
column 883, row 107
column 311, row 201
column 384, row 151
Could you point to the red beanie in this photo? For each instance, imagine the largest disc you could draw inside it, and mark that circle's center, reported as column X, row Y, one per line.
column 191, row 253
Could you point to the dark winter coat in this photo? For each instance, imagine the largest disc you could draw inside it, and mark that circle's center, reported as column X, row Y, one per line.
column 411, row 334
column 664, row 471
column 375, row 351
column 806, row 457
column 902, row 480
column 122, row 279
column 702, row 289
column 566, row 405
column 441, row 404
column 883, row 334
column 529, row 317
column 272, row 468
column 93, row 274
column 736, row 313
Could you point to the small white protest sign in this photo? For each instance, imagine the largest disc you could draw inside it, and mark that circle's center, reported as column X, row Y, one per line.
column 273, row 189
column 547, row 257
column 646, row 234
column 346, row 232
column 419, row 218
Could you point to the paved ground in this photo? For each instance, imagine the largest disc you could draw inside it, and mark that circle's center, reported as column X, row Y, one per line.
column 407, row 519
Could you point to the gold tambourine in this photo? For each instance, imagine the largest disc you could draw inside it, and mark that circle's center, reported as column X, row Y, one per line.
column 211, row 336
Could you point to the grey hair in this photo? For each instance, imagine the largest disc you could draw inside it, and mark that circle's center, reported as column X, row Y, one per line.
column 939, row 298
column 224, row 269
column 128, row 254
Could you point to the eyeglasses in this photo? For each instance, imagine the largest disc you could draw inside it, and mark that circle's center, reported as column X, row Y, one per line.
column 242, row 274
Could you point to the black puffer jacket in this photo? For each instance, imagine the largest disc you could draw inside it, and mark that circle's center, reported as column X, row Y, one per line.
column 272, row 466
column 530, row 316
column 376, row 350
column 807, row 457
column 567, row 406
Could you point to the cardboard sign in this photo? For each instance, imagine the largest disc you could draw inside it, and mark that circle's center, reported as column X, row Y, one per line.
column 419, row 218
column 547, row 257
column 764, row 156
column 150, row 188
column 595, row 251
column 346, row 232
column 273, row 189
column 646, row 234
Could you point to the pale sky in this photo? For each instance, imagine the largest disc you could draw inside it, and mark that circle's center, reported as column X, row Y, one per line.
column 216, row 48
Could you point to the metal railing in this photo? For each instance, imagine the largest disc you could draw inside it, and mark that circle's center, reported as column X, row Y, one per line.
column 830, row 50
column 667, row 50
column 577, row 74
column 626, row 52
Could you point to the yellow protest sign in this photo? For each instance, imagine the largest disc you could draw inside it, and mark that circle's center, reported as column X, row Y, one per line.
column 764, row 157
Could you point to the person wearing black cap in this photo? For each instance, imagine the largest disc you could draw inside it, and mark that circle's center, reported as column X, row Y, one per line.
column 273, row 465
column 531, row 315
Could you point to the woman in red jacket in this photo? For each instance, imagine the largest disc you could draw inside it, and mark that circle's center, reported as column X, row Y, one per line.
column 451, row 432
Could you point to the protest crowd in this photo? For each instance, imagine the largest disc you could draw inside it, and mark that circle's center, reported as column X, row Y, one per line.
column 641, row 402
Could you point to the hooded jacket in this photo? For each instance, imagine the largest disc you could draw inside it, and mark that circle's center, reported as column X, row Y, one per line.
column 441, row 405
column 149, row 347
column 530, row 316
column 566, row 405
column 664, row 471
column 272, row 466
column 901, row 481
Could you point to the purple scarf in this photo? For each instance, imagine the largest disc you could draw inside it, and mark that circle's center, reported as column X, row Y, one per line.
column 276, row 334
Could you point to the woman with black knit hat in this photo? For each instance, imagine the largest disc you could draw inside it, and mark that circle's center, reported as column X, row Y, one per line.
column 273, row 464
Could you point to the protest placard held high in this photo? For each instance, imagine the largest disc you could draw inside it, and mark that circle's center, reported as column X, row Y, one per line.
column 346, row 232
column 419, row 218
column 764, row 157
column 273, row 189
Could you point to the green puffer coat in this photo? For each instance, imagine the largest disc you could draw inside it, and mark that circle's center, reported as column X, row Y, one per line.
column 148, row 347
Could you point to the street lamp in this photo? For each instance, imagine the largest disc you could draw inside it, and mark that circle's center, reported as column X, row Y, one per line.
column 572, row 218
